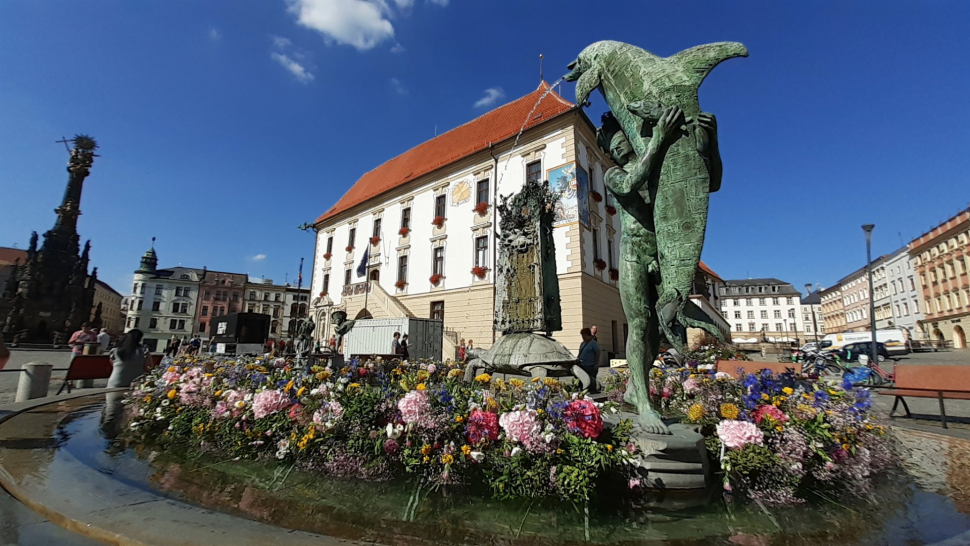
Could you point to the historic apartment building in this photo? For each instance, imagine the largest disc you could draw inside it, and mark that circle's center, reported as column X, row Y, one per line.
column 942, row 259
column 904, row 296
column 833, row 309
column 109, row 301
column 763, row 309
column 813, row 323
column 855, row 300
column 425, row 221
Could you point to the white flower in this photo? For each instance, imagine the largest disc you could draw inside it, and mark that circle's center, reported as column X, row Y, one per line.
column 477, row 456
column 134, row 424
column 549, row 437
column 248, row 397
column 344, row 380
column 516, row 450
column 166, row 402
column 614, row 410
column 394, row 432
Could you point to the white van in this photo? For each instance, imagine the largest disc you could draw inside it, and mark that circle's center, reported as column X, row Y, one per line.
column 893, row 339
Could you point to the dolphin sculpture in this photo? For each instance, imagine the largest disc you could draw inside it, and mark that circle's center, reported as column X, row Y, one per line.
column 630, row 78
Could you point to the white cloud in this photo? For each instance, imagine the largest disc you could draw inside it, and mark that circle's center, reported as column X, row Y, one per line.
column 398, row 87
column 404, row 4
column 492, row 95
column 258, row 258
column 442, row 3
column 295, row 68
column 280, row 42
column 398, row 48
column 214, row 34
column 359, row 23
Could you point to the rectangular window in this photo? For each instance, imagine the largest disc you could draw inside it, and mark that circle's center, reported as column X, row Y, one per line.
column 186, row 291
column 156, row 306
column 406, row 218
column 774, row 301
column 761, row 301
column 751, row 327
column 738, row 328
column 737, row 314
column 134, row 288
column 737, row 303
column 252, row 294
column 439, row 206
column 181, row 325
column 141, row 289
column 749, row 302
column 265, row 296
column 377, row 228
column 326, row 283
column 437, row 310
column 609, row 252
column 347, row 278
column 205, row 310
column 202, row 327
column 402, row 268
column 750, row 314
column 251, row 308
column 438, row 263
column 533, row 172
column 138, row 305
column 158, row 290
column 764, row 314
column 481, row 251
column 206, row 295
column 175, row 307
column 278, row 296
column 481, row 192
column 351, row 236
column 779, row 327
column 330, row 244
column 178, row 292
column 173, row 324
column 184, row 308
column 137, row 319
column 777, row 313
column 153, row 323
column 791, row 313
column 596, row 243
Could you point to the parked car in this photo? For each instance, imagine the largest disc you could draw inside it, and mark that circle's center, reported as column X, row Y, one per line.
column 851, row 351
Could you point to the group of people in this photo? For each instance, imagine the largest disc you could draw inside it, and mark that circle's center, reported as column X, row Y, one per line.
column 130, row 358
column 183, row 346
column 399, row 345
column 464, row 350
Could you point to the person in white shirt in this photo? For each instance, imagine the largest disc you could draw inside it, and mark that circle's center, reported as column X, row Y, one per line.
column 104, row 339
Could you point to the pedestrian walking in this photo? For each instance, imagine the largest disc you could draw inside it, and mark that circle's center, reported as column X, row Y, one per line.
column 396, row 344
column 104, row 339
column 404, row 347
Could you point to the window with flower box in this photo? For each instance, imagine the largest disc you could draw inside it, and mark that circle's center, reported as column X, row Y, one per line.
column 533, row 172
column 481, row 191
column 481, row 251
column 439, row 206
column 438, row 262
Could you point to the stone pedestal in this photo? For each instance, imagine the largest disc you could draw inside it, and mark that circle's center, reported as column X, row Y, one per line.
column 35, row 380
column 670, row 462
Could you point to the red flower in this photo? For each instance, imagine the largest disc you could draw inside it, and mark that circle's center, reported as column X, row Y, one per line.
column 600, row 264
column 438, row 221
column 769, row 411
column 296, row 412
column 375, row 239
column 480, row 272
column 583, row 417
column 327, row 256
column 614, row 274
column 403, row 232
column 595, row 196
column 481, row 208
column 611, row 210
column 324, row 293
column 400, row 285
column 350, row 248
column 482, row 425
column 436, row 279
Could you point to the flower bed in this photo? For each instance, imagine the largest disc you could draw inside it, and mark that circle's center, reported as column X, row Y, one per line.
column 384, row 419
column 779, row 439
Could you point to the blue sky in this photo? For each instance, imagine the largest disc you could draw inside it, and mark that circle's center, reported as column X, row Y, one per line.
column 225, row 124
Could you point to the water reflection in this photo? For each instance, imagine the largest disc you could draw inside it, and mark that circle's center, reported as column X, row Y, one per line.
column 902, row 510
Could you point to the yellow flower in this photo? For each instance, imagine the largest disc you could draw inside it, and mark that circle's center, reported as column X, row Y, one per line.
column 466, row 450
column 515, row 382
column 353, row 386
column 539, row 411
column 536, row 379
column 558, row 452
column 459, row 419
column 483, row 378
column 729, row 411
column 171, row 369
column 609, row 447
column 764, row 396
column 696, row 412
column 779, row 428
column 491, row 405
column 807, row 396
column 426, row 459
column 455, row 373
column 421, row 387
column 833, row 392
column 288, row 386
column 426, row 449
column 498, row 384
column 218, row 394
column 210, row 375
column 171, row 394
column 788, row 391
column 300, row 392
column 845, row 447
column 550, row 382
column 447, row 459
column 423, row 375
column 323, row 375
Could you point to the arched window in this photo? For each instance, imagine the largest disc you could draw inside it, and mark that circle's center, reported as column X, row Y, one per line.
column 302, row 309
column 294, row 308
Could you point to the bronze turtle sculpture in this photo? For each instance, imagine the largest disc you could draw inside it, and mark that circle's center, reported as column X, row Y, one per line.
column 526, row 354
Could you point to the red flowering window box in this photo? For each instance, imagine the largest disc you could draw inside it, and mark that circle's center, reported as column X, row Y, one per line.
column 323, row 294
column 438, row 221
column 374, row 240
column 400, row 285
column 595, row 196
column 327, row 256
column 480, row 272
column 614, row 274
column 600, row 264
column 611, row 210
column 481, row 208
column 350, row 248
column 403, row 232
column 436, row 279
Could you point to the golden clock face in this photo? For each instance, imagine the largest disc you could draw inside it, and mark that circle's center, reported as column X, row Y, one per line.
column 460, row 193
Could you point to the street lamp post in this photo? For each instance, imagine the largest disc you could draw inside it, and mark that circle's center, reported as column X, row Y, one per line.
column 808, row 290
column 867, row 228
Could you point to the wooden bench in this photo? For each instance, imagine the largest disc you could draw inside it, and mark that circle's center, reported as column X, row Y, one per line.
column 739, row 368
column 940, row 382
column 89, row 367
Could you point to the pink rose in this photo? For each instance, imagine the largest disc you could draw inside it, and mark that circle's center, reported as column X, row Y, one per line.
column 413, row 406
column 221, row 410
column 269, row 402
column 432, row 368
column 692, row 385
column 737, row 434
column 521, row 426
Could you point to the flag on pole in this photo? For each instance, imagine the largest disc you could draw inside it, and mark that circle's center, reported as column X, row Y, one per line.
column 362, row 268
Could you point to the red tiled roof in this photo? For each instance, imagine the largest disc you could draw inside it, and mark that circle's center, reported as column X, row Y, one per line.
column 10, row 255
column 476, row 135
column 708, row 270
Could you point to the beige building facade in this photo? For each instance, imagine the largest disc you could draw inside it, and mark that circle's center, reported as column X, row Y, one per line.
column 942, row 261
column 110, row 301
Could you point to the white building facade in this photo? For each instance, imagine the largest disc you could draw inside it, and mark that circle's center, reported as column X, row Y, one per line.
column 763, row 309
column 812, row 323
column 163, row 302
column 903, row 294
